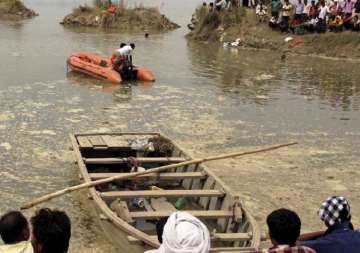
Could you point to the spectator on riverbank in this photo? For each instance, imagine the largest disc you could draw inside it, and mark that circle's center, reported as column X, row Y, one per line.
column 348, row 11
column 286, row 12
column 261, row 12
column 299, row 10
column 284, row 230
column 340, row 235
column 15, row 233
column 51, row 231
column 356, row 23
column 275, row 8
column 357, row 7
column 323, row 12
column 306, row 12
column 336, row 23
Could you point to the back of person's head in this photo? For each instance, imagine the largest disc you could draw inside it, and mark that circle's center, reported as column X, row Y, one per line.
column 334, row 210
column 14, row 227
column 132, row 45
column 284, row 226
column 122, row 45
column 185, row 233
column 51, row 231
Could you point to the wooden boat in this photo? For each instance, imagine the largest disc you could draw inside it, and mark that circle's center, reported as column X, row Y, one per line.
column 131, row 226
column 101, row 68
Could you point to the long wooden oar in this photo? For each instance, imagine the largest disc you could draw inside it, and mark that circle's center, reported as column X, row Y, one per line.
column 136, row 174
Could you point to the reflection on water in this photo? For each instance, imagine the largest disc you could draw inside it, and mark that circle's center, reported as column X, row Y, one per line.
column 208, row 98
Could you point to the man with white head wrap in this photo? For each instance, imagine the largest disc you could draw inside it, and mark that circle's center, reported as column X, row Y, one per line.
column 184, row 233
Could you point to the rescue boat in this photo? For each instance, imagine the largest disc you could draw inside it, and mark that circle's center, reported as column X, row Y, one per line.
column 102, row 68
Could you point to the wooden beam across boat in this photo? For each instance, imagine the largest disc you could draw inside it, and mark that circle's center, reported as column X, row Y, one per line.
column 162, row 193
column 140, row 159
column 239, row 237
column 155, row 176
column 201, row 214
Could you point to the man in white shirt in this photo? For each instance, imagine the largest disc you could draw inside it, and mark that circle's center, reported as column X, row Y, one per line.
column 123, row 60
column 321, row 24
column 299, row 9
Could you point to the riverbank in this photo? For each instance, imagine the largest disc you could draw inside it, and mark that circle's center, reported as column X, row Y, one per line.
column 122, row 18
column 15, row 10
column 243, row 25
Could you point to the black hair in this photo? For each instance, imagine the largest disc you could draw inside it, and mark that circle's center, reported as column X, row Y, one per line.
column 51, row 229
column 204, row 4
column 284, row 226
column 146, row 35
column 132, row 45
column 160, row 228
column 122, row 45
column 12, row 226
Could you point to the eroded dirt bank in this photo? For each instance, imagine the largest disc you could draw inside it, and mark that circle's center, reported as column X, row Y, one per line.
column 15, row 10
column 137, row 19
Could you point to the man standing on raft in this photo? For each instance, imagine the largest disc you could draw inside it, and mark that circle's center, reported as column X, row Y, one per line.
column 122, row 61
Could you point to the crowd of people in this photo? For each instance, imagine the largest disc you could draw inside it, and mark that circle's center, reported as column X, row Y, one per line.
column 182, row 232
column 313, row 15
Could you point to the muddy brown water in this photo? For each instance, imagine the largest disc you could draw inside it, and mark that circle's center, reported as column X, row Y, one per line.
column 207, row 98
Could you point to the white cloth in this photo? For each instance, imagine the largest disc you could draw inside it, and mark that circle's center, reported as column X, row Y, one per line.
column 21, row 247
column 299, row 8
column 184, row 233
column 125, row 50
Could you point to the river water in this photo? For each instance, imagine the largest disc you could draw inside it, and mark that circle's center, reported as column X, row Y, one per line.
column 207, row 98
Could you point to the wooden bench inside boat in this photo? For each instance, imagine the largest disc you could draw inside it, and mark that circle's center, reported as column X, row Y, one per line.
column 162, row 193
column 158, row 176
column 119, row 160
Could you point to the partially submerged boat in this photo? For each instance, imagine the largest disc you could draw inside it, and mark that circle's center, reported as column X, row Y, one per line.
column 129, row 209
column 101, row 68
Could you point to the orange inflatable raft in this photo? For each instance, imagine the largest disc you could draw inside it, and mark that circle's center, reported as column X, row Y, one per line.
column 98, row 67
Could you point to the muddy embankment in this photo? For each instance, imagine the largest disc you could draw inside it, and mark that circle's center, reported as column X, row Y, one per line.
column 242, row 25
column 137, row 18
column 15, row 10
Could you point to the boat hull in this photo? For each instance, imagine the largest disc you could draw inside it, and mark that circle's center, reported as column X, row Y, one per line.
column 101, row 68
column 129, row 228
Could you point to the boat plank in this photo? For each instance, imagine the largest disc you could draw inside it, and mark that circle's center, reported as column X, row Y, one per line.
column 166, row 213
column 214, row 237
column 84, row 142
column 120, row 160
column 156, row 176
column 162, row 193
column 97, row 141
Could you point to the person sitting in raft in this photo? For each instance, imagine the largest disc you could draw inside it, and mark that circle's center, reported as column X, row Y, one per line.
column 340, row 235
column 284, row 230
column 15, row 233
column 51, row 231
column 122, row 60
column 184, row 233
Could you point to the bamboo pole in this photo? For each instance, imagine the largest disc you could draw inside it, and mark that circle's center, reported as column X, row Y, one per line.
column 56, row 194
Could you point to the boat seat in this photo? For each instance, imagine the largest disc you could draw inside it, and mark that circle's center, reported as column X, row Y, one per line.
column 162, row 193
column 155, row 176
column 239, row 237
column 119, row 160
column 203, row 214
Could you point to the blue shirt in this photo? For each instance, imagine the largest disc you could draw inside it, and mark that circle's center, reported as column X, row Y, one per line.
column 340, row 238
